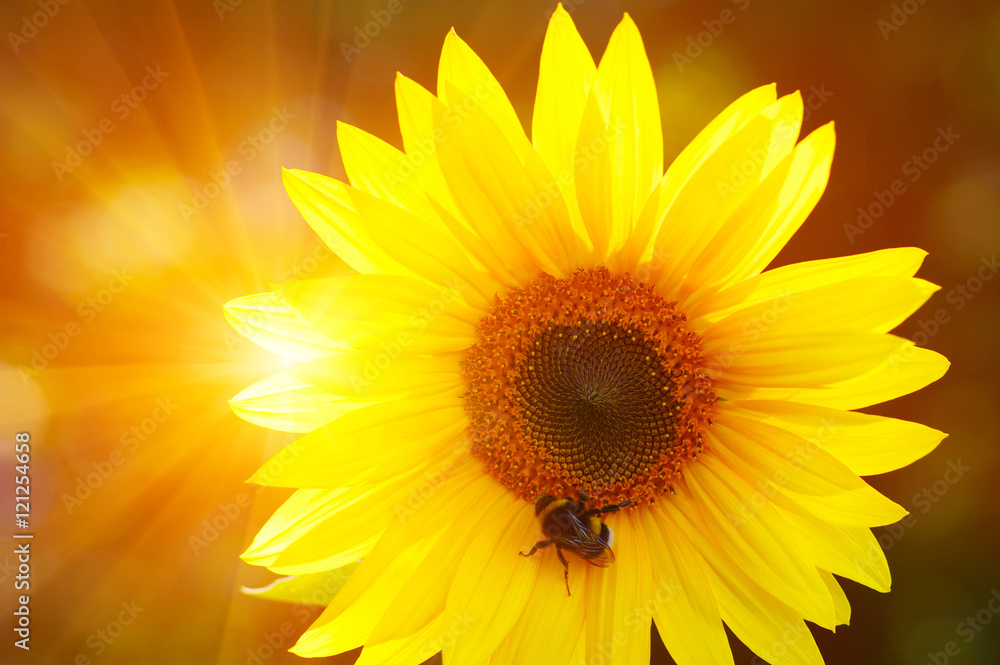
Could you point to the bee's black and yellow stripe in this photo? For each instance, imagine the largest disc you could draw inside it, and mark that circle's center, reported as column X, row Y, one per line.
column 587, row 537
column 547, row 504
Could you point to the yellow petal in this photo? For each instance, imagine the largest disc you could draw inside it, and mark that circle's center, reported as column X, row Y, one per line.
column 299, row 515
column 463, row 75
column 415, row 108
column 420, row 523
column 287, row 404
column 384, row 237
column 705, row 201
column 413, row 649
column 638, row 248
column 796, row 360
column 387, row 313
column 432, row 583
column 265, row 320
column 875, row 304
column 374, row 443
column 717, row 132
column 809, row 173
column 336, row 632
column 492, row 583
column 797, row 474
column 848, row 551
column 534, row 638
column 593, row 174
column 840, row 602
column 618, row 633
column 787, row 114
column 316, row 589
column 327, row 206
column 771, row 628
column 493, row 248
column 905, row 370
column 508, row 195
column 683, row 606
column 565, row 76
column 349, row 531
column 867, row 444
column 790, row 279
column 382, row 374
column 768, row 213
column 374, row 166
column 626, row 93
column 761, row 542
column 427, row 251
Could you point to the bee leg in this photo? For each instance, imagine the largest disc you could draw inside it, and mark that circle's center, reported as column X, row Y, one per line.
column 565, row 564
column 612, row 508
column 540, row 545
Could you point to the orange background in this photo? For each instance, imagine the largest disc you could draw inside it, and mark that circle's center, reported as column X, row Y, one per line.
column 122, row 235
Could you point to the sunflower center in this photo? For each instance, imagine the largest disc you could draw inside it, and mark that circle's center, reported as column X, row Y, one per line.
column 589, row 383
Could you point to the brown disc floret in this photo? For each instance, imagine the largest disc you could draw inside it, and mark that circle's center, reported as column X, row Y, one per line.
column 588, row 383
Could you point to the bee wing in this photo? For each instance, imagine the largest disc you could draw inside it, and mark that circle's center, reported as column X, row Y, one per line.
column 604, row 559
column 587, row 545
column 577, row 535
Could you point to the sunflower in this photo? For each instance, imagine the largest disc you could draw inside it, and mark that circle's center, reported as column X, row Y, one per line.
column 527, row 321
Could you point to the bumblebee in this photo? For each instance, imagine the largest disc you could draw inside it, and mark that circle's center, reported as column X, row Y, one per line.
column 569, row 525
